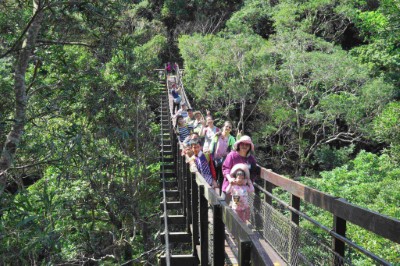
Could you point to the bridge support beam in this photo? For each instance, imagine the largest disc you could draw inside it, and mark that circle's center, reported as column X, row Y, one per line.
column 203, row 227
column 339, row 226
column 195, row 214
column 294, row 232
column 244, row 253
column 219, row 236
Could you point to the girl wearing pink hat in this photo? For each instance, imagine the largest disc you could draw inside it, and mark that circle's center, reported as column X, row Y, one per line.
column 240, row 191
column 239, row 155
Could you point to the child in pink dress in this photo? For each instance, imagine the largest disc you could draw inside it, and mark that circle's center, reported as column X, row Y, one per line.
column 240, row 190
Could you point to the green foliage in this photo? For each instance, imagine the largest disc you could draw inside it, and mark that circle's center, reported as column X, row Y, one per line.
column 369, row 181
column 380, row 28
column 254, row 17
column 387, row 124
column 386, row 128
column 329, row 158
column 7, row 93
column 89, row 145
column 316, row 85
column 225, row 70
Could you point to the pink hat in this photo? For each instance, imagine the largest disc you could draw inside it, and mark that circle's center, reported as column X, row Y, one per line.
column 240, row 166
column 243, row 139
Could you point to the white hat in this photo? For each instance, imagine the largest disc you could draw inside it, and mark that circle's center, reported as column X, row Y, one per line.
column 240, row 166
column 243, row 139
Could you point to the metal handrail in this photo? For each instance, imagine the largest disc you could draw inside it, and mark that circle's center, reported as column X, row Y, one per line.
column 323, row 227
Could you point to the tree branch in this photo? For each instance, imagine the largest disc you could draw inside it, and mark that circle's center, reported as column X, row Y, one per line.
column 47, row 42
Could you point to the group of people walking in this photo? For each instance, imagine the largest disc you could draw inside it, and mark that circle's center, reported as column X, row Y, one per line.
column 226, row 163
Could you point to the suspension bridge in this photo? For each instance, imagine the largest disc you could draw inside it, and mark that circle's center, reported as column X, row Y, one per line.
column 199, row 228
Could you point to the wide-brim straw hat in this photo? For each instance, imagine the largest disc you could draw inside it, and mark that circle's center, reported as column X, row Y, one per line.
column 244, row 139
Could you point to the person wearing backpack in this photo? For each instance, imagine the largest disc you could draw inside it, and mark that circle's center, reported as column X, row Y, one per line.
column 176, row 98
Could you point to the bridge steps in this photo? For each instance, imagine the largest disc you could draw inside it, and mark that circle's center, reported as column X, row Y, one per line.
column 170, row 184
column 174, row 222
column 180, row 260
column 174, row 219
column 177, row 237
column 172, row 205
column 171, row 193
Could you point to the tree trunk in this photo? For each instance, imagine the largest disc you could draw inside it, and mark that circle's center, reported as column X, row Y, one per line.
column 14, row 136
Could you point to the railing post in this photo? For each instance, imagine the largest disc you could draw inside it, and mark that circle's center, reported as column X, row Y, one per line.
column 294, row 232
column 195, row 214
column 339, row 226
column 244, row 253
column 188, row 178
column 184, row 188
column 181, row 177
column 219, row 236
column 203, row 227
column 178, row 174
column 268, row 187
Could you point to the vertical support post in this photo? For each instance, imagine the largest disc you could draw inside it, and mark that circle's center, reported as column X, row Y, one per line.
column 195, row 214
column 244, row 253
column 184, row 188
column 176, row 156
column 339, row 226
column 268, row 187
column 189, row 200
column 181, row 177
column 219, row 236
column 294, row 232
column 178, row 175
column 203, row 227
column 295, row 204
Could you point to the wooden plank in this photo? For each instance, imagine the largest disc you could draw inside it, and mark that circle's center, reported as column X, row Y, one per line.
column 171, row 193
column 170, row 184
column 167, row 175
column 180, row 260
column 375, row 222
column 174, row 219
column 172, row 205
column 177, row 237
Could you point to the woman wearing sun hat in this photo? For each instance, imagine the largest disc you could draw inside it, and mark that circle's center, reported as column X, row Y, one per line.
column 241, row 153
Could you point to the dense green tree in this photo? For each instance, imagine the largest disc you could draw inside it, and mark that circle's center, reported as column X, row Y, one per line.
column 380, row 27
column 370, row 181
column 319, row 96
column 225, row 72
column 86, row 133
